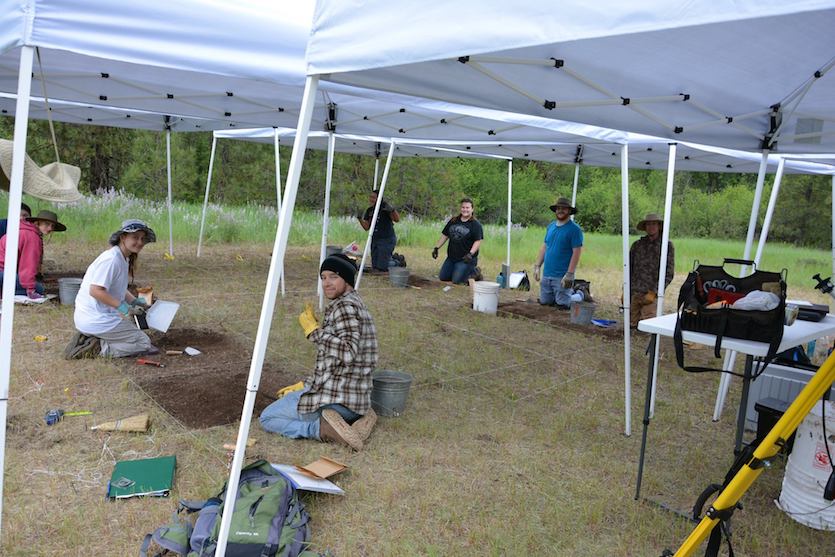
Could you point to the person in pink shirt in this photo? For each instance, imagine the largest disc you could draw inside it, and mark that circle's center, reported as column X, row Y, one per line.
column 30, row 252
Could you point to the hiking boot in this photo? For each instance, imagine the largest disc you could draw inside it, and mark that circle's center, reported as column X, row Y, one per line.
column 364, row 425
column 334, row 429
column 82, row 346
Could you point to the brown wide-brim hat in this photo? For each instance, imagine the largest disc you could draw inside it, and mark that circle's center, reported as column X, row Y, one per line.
column 48, row 216
column 651, row 217
column 564, row 202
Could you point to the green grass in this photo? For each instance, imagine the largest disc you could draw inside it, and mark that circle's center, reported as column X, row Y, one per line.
column 511, row 444
column 95, row 218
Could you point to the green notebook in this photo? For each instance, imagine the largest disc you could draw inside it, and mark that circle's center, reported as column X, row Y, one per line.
column 145, row 477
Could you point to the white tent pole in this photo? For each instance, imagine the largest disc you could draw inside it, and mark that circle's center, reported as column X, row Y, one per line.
column 509, row 214
column 268, row 306
column 769, row 212
column 326, row 217
column 24, row 88
column 662, row 266
column 278, row 200
column 627, row 332
column 376, row 172
column 206, row 196
column 730, row 358
column 574, row 187
column 376, row 212
column 170, row 207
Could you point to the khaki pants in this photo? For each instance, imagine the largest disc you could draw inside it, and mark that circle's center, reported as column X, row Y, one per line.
column 640, row 308
column 124, row 340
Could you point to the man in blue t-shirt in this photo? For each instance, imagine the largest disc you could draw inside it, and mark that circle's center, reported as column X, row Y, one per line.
column 383, row 240
column 560, row 253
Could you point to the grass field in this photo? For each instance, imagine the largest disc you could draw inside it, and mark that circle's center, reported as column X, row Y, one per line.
column 512, row 443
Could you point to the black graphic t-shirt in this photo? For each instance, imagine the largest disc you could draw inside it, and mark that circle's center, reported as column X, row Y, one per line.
column 384, row 228
column 462, row 236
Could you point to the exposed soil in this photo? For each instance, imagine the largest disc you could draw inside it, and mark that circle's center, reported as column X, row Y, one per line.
column 50, row 280
column 421, row 282
column 209, row 389
column 555, row 318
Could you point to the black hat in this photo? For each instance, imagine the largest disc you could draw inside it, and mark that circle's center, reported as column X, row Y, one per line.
column 342, row 266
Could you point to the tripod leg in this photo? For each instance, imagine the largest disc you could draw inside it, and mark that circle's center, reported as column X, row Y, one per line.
column 650, row 375
column 743, row 403
column 770, row 446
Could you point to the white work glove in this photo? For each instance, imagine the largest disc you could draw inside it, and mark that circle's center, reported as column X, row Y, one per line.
column 567, row 280
column 536, row 272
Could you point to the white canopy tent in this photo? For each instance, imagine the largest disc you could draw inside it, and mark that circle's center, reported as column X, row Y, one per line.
column 748, row 74
column 744, row 75
column 156, row 57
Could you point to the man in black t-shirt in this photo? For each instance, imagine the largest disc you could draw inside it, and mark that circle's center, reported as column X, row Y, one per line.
column 383, row 240
column 465, row 234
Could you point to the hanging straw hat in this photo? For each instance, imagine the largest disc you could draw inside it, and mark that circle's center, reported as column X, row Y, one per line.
column 651, row 217
column 48, row 216
column 564, row 202
column 53, row 182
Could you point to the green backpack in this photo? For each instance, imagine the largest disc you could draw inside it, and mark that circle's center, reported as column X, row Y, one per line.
column 269, row 520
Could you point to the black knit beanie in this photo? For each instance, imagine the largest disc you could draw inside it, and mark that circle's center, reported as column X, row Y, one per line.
column 342, row 266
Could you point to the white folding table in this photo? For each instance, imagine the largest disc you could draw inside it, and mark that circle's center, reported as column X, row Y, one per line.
column 798, row 333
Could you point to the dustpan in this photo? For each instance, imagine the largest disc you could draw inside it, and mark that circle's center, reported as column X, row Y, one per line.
column 140, row 423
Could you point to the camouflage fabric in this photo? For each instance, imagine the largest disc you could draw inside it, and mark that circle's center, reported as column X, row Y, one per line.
column 643, row 265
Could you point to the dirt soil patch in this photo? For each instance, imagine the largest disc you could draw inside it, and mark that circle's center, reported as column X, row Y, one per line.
column 50, row 280
column 209, row 389
column 421, row 282
column 555, row 318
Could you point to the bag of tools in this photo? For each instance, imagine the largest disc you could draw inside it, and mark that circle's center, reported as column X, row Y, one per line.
column 713, row 301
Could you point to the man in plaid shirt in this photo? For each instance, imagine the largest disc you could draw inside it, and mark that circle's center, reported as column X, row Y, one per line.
column 335, row 402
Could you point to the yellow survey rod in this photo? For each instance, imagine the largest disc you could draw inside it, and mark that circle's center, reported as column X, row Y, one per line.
column 782, row 430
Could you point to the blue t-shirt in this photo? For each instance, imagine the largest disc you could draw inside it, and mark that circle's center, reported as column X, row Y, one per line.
column 560, row 242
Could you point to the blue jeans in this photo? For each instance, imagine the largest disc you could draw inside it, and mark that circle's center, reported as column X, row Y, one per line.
column 381, row 250
column 19, row 290
column 283, row 417
column 550, row 293
column 458, row 271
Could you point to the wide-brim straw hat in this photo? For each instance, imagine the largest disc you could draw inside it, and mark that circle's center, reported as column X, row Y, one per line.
column 564, row 202
column 55, row 181
column 651, row 217
column 48, row 216
column 133, row 225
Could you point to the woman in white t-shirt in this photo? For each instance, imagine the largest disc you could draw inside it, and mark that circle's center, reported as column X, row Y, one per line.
column 104, row 309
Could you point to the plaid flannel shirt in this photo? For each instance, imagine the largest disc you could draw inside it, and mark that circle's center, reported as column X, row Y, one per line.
column 346, row 354
column 643, row 265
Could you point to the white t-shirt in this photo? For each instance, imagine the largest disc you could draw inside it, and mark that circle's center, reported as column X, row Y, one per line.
column 109, row 270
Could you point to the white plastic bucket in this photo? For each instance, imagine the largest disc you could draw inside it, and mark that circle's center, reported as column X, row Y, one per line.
column 68, row 288
column 486, row 296
column 807, row 472
column 581, row 313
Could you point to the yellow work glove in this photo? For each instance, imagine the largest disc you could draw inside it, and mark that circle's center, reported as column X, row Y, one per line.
column 308, row 321
column 650, row 297
column 289, row 389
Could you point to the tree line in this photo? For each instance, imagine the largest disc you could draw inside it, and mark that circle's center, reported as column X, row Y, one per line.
column 704, row 205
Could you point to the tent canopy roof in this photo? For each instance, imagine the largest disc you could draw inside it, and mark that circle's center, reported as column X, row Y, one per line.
column 650, row 155
column 734, row 74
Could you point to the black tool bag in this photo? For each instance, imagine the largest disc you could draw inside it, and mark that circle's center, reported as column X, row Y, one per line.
column 709, row 282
